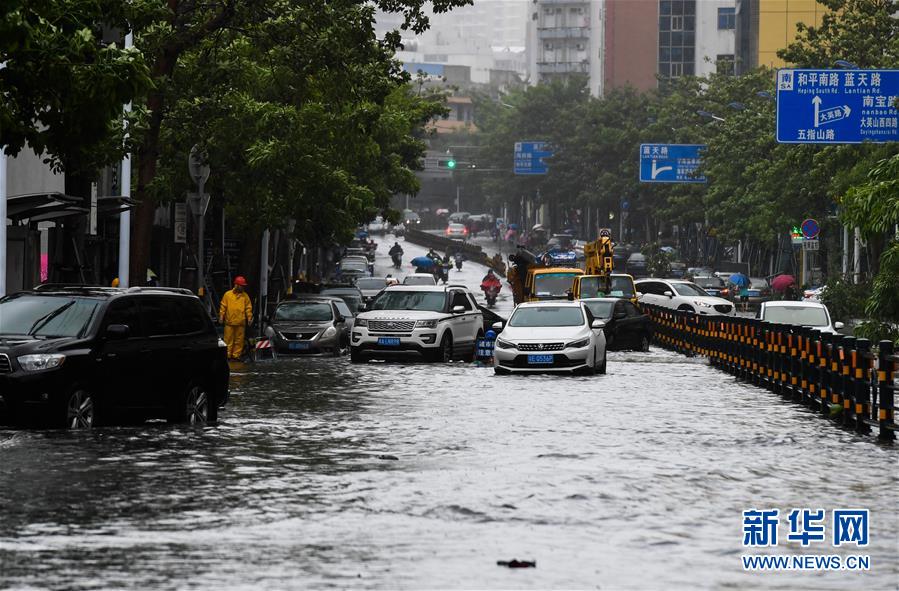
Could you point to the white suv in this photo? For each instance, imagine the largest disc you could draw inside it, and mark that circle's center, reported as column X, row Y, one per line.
column 682, row 295
column 436, row 323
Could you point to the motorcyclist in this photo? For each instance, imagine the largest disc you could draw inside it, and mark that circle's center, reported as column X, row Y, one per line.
column 445, row 266
column 490, row 280
column 458, row 258
column 395, row 249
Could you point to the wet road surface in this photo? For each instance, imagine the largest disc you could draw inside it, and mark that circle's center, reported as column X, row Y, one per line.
column 635, row 480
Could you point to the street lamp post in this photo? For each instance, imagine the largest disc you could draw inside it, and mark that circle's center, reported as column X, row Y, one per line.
column 125, row 215
column 2, row 214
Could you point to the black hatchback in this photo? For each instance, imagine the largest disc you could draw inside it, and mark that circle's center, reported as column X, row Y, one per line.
column 76, row 357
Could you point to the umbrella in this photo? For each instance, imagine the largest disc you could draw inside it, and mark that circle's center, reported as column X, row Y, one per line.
column 782, row 282
column 513, row 226
column 422, row 262
column 739, row 279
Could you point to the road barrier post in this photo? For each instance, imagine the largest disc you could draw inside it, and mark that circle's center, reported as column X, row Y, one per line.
column 862, row 398
column 848, row 360
column 885, row 394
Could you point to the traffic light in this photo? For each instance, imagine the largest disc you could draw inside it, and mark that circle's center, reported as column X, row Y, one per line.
column 449, row 163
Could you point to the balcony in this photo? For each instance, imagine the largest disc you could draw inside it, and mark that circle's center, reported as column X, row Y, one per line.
column 580, row 67
column 563, row 33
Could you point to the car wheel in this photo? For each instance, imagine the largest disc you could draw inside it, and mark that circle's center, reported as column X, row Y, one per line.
column 445, row 350
column 80, row 409
column 355, row 355
column 195, row 406
column 644, row 343
column 602, row 366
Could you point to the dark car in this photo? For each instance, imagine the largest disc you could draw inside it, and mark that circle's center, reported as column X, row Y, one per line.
column 350, row 294
column 76, row 357
column 311, row 324
column 626, row 326
column 714, row 286
column 636, row 265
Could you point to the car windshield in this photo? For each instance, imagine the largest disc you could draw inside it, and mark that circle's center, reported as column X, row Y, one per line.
column 708, row 282
column 425, row 301
column 304, row 312
column 46, row 315
column 367, row 283
column 419, row 281
column 547, row 316
column 552, row 284
column 688, row 289
column 801, row 315
column 622, row 287
column 601, row 309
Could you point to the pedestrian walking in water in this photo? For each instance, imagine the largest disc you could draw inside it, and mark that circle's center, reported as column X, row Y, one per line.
column 236, row 312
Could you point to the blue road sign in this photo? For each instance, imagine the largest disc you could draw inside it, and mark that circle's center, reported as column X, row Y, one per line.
column 670, row 163
column 529, row 157
column 837, row 106
column 810, row 229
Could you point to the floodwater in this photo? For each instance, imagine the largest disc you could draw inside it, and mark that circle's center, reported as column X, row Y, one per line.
column 324, row 474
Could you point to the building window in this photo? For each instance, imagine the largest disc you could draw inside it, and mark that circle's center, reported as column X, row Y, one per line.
column 727, row 18
column 577, row 10
column 677, row 70
column 726, row 64
column 581, row 47
column 677, row 23
column 548, row 46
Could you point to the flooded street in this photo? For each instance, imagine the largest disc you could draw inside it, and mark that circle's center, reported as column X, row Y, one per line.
column 323, row 474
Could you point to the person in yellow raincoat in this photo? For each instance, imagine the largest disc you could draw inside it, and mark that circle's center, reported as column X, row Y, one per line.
column 236, row 312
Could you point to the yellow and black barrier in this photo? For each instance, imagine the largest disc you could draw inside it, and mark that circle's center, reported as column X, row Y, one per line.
column 837, row 375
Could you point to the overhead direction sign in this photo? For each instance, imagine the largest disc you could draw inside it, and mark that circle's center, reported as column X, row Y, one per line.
column 837, row 106
column 670, row 163
column 529, row 158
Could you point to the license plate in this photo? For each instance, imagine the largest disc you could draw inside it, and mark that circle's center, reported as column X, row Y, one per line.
column 389, row 341
column 540, row 359
column 753, row 293
column 297, row 346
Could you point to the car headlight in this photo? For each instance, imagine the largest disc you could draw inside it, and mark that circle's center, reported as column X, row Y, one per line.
column 501, row 344
column 426, row 324
column 361, row 322
column 578, row 344
column 270, row 332
column 41, row 361
column 703, row 304
column 329, row 332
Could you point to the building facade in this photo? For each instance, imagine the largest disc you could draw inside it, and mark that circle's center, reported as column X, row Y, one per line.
column 766, row 26
column 631, row 44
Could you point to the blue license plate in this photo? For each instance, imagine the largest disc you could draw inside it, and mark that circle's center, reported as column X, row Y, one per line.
column 297, row 346
column 389, row 341
column 540, row 359
column 753, row 293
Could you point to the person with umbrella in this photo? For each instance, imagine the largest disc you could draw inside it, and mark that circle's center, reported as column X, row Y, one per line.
column 742, row 283
column 785, row 284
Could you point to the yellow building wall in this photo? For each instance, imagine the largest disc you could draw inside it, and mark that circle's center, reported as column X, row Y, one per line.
column 777, row 25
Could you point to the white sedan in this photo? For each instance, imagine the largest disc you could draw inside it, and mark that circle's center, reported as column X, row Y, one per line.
column 811, row 314
column 557, row 336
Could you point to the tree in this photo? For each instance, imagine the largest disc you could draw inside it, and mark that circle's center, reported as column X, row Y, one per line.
column 64, row 85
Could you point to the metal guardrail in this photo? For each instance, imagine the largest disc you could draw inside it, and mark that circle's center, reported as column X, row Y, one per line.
column 472, row 252
column 839, row 376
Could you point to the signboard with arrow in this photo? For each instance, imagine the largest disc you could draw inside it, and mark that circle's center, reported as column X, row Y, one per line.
column 837, row 106
column 670, row 163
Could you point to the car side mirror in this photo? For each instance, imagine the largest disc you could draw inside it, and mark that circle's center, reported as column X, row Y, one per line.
column 497, row 326
column 598, row 324
column 838, row 325
column 669, row 294
column 117, row 332
column 458, row 309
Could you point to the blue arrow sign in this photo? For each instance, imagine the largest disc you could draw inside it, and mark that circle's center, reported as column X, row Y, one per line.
column 670, row 163
column 529, row 158
column 837, row 106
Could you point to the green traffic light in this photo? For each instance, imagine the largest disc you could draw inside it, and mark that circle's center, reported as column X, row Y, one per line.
column 451, row 164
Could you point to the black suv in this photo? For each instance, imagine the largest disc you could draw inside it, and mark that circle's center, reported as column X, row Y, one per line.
column 91, row 354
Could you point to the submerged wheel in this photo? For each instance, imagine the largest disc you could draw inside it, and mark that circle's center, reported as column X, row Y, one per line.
column 355, row 355
column 80, row 410
column 196, row 406
column 445, row 351
column 644, row 343
column 601, row 370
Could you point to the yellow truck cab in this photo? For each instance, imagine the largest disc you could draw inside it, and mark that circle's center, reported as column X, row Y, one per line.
column 550, row 283
column 592, row 286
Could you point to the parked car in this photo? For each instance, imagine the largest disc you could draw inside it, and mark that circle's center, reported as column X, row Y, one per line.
column 759, row 291
column 436, row 323
column 456, row 231
column 636, row 265
column 811, row 314
column 350, row 294
column 682, row 295
column 378, row 226
column 77, row 357
column 311, row 324
column 714, row 286
column 551, row 336
column 370, row 287
column 419, row 279
column 678, row 270
column 350, row 269
column 626, row 326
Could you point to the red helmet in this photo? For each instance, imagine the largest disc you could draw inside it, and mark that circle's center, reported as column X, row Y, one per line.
column 239, row 280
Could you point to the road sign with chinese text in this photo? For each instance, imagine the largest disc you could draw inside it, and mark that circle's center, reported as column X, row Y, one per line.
column 670, row 163
column 529, row 158
column 837, row 106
